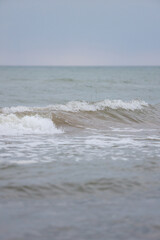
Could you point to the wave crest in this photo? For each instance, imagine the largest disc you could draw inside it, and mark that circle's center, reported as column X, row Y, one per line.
column 14, row 125
column 76, row 106
column 77, row 114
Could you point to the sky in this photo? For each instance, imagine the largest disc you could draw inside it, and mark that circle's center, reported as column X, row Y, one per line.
column 80, row 32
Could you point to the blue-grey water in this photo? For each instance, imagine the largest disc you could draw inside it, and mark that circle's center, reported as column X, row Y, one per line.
column 79, row 153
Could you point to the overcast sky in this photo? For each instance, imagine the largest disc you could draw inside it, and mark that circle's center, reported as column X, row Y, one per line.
column 80, row 32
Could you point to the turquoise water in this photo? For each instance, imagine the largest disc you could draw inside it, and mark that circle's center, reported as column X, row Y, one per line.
column 79, row 153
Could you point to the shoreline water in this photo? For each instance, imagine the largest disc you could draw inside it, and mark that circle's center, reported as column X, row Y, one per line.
column 79, row 153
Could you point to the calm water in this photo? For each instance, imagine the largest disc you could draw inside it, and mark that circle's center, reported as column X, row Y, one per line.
column 79, row 153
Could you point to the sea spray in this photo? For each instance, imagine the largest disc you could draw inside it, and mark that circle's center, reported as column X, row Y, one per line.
column 14, row 125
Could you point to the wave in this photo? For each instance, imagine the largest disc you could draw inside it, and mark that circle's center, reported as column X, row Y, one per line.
column 76, row 114
column 76, row 106
column 14, row 125
column 110, row 185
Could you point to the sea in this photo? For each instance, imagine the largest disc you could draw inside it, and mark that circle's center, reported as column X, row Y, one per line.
column 79, row 153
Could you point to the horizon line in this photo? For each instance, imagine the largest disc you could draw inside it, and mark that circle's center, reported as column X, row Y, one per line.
column 41, row 65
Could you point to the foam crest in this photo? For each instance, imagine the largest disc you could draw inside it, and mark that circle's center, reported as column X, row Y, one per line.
column 76, row 106
column 116, row 104
column 13, row 125
column 17, row 109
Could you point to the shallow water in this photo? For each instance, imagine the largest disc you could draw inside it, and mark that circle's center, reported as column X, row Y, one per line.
column 79, row 153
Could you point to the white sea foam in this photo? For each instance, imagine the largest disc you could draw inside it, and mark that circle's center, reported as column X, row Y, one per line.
column 116, row 104
column 119, row 142
column 17, row 109
column 13, row 125
column 76, row 106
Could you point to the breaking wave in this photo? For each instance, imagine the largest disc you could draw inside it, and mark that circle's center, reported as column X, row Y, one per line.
column 13, row 125
column 76, row 106
column 76, row 114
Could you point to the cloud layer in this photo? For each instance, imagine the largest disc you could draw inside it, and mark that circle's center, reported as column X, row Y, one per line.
column 69, row 32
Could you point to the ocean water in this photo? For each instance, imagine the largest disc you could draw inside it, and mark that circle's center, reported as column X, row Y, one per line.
column 79, row 153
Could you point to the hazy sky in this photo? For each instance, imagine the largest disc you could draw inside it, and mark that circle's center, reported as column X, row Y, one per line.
column 80, row 32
